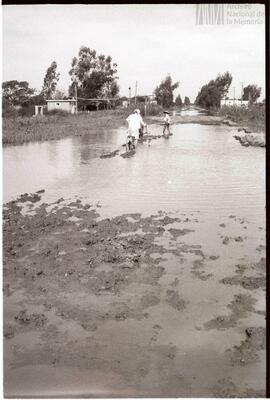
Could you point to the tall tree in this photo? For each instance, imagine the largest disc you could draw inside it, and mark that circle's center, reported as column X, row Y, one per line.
column 164, row 92
column 251, row 93
column 212, row 93
column 16, row 93
column 178, row 101
column 187, row 101
column 93, row 74
column 50, row 81
column 60, row 95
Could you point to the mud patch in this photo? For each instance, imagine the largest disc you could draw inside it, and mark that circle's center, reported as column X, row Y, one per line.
column 179, row 232
column 225, row 388
column 85, row 290
column 109, row 155
column 241, row 305
column 202, row 275
column 174, row 300
column 226, row 240
column 128, row 154
column 254, row 281
column 34, row 320
column 246, row 352
column 247, row 282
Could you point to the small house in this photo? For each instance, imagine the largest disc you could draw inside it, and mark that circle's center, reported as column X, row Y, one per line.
column 62, row 105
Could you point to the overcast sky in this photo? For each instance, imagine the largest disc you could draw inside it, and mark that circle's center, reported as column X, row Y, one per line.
column 146, row 41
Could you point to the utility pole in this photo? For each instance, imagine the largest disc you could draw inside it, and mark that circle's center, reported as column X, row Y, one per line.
column 242, row 90
column 145, row 104
column 136, row 86
column 76, row 97
column 129, row 89
column 233, row 93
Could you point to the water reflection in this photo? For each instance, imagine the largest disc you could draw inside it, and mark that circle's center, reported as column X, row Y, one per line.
column 191, row 112
column 199, row 168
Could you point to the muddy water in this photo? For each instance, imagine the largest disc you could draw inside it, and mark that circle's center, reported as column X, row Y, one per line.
column 192, row 112
column 199, row 168
column 177, row 335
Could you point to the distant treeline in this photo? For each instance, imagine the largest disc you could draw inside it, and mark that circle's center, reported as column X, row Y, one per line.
column 211, row 94
column 92, row 75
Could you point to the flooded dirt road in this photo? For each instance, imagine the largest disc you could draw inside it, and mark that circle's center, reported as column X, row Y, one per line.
column 199, row 168
column 140, row 277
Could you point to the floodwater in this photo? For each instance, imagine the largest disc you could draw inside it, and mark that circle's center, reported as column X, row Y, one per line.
column 201, row 173
column 192, row 112
column 198, row 168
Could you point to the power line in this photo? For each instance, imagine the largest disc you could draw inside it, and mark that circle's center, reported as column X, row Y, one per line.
column 97, row 99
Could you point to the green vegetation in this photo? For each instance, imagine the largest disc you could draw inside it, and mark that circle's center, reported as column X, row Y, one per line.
column 60, row 124
column 50, row 82
column 93, row 75
column 252, row 117
column 251, row 93
column 15, row 95
column 164, row 92
column 19, row 99
column 178, row 101
column 212, row 93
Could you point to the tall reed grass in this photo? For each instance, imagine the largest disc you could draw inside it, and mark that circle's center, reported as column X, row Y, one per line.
column 252, row 116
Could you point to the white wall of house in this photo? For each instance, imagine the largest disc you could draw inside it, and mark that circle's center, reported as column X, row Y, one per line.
column 62, row 105
column 39, row 109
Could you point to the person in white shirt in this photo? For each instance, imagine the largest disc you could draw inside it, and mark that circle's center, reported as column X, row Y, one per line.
column 135, row 122
column 167, row 121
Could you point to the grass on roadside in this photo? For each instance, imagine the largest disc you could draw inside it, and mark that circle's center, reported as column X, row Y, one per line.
column 18, row 129
column 253, row 117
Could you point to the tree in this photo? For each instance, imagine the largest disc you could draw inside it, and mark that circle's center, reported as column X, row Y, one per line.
column 60, row 95
column 251, row 93
column 16, row 93
column 178, row 101
column 94, row 75
column 50, row 81
column 110, row 89
column 187, row 101
column 37, row 100
column 211, row 94
column 164, row 92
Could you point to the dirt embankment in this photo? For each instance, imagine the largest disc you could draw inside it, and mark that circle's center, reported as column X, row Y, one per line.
column 249, row 139
column 72, row 280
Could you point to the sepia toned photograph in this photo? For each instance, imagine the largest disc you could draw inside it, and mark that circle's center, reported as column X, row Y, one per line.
column 134, row 200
